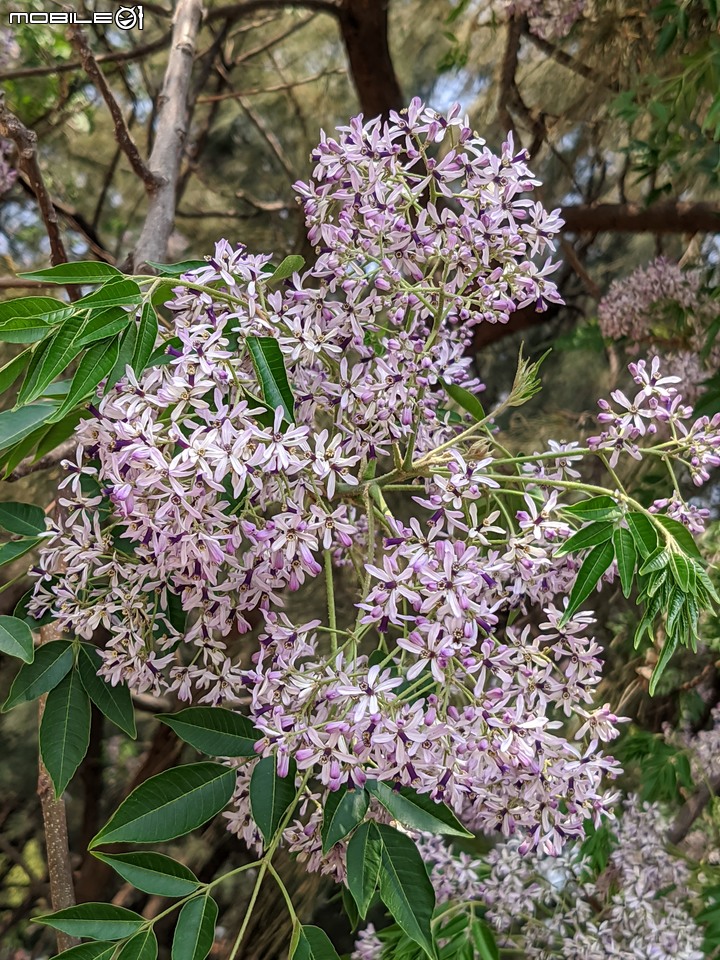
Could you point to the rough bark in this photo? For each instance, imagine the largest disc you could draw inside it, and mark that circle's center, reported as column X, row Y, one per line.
column 166, row 155
column 364, row 29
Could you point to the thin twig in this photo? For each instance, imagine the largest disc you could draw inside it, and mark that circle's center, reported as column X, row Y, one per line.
column 278, row 87
column 122, row 133
column 691, row 810
column 118, row 56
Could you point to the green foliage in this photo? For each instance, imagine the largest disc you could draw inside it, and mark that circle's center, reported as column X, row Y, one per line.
column 52, row 662
column 169, row 805
column 16, row 639
column 344, row 811
column 214, row 730
column 313, row 944
column 65, row 730
column 665, row 770
column 416, row 810
column 101, row 921
column 152, row 872
column 270, row 795
column 269, row 366
column 115, row 703
column 195, row 929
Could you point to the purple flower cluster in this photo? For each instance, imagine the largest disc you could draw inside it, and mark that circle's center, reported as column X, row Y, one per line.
column 637, row 907
column 195, row 511
column 670, row 307
column 657, row 406
column 550, row 19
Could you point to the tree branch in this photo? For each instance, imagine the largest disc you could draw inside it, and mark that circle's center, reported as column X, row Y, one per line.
column 691, row 810
column 122, row 133
column 243, row 7
column 26, row 143
column 671, row 216
column 117, row 56
column 170, row 136
column 364, row 29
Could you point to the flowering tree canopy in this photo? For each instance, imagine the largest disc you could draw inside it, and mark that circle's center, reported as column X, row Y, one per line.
column 371, row 610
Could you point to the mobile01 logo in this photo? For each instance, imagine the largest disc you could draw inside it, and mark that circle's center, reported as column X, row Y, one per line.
column 124, row 18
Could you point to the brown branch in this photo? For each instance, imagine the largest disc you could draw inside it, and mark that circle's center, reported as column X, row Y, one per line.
column 364, row 29
column 26, row 143
column 118, row 56
column 52, row 459
column 62, row 891
column 670, row 216
column 691, row 810
column 243, row 7
column 122, row 133
column 170, row 136
column 565, row 60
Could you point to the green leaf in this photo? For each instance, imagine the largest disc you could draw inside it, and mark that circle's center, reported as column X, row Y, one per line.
column 12, row 369
column 463, row 398
column 117, row 292
column 594, row 566
column 657, row 560
column 176, row 269
column 680, row 567
column 344, row 810
column 102, row 325
column 16, row 639
column 669, row 648
column 484, row 940
column 269, row 367
column 126, row 351
column 170, row 805
column 287, row 268
column 25, row 519
column 58, row 352
column 98, row 950
column 143, row 946
column 100, row 921
column 215, row 731
column 28, row 308
column 113, row 702
column 17, row 424
column 681, row 534
column 65, row 730
column 146, row 338
column 195, row 930
column 93, row 367
column 405, row 887
column 16, row 548
column 152, row 872
column 24, row 330
column 626, row 557
column 597, row 532
column 595, row 508
column 643, row 533
column 270, row 796
column 314, row 944
column 363, row 865
column 417, row 810
column 84, row 271
column 52, row 662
